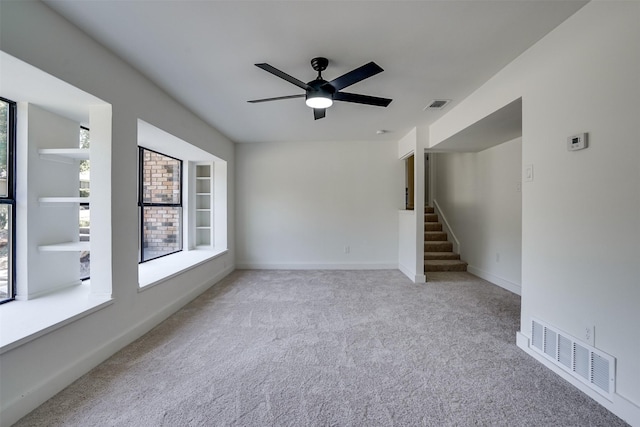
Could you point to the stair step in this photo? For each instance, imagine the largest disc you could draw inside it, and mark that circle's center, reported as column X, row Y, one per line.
column 441, row 255
column 439, row 246
column 432, row 226
column 428, row 209
column 431, row 217
column 445, row 265
column 435, row 236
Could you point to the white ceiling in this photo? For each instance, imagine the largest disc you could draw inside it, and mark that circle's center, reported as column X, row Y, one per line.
column 202, row 53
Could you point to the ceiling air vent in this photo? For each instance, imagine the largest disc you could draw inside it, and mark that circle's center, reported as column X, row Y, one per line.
column 437, row 104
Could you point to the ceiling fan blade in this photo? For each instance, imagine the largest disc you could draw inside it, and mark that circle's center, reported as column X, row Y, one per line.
column 361, row 99
column 283, row 75
column 277, row 98
column 354, row 76
column 319, row 113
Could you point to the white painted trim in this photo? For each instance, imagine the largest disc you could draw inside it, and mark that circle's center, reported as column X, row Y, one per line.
column 276, row 266
column 26, row 320
column 447, row 227
column 407, row 155
column 620, row 406
column 499, row 281
column 407, row 272
column 17, row 408
column 160, row 270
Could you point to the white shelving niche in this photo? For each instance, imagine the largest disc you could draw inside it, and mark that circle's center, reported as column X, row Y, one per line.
column 204, row 198
column 70, row 156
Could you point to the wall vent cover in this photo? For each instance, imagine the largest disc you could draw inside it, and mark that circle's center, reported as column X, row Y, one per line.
column 437, row 104
column 584, row 362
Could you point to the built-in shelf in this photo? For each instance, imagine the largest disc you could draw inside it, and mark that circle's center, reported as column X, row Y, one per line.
column 69, row 156
column 64, row 155
column 204, row 185
column 46, row 200
column 66, row 247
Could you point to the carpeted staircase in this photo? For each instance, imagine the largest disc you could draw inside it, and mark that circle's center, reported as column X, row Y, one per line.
column 438, row 251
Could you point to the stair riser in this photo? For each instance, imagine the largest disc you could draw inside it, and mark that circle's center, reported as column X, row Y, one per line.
column 435, row 236
column 438, row 246
column 432, row 268
column 431, row 218
column 440, row 255
column 428, row 210
column 432, row 226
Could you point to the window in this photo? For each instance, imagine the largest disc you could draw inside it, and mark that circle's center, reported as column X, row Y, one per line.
column 195, row 226
column 160, row 204
column 84, row 222
column 7, row 198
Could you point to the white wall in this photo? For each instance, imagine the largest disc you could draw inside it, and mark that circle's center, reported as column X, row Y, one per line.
column 411, row 222
column 581, row 213
column 299, row 205
column 33, row 33
column 480, row 195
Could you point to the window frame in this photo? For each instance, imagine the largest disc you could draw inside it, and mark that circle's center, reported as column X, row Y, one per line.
column 87, row 205
column 10, row 198
column 142, row 204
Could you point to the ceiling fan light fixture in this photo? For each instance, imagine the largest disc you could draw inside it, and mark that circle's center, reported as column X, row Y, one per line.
column 318, row 100
column 320, row 94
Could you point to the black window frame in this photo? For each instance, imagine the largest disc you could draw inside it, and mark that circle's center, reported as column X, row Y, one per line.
column 10, row 198
column 142, row 204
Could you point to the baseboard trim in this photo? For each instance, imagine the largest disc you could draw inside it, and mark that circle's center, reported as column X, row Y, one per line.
column 22, row 405
column 498, row 281
column 276, row 266
column 415, row 278
column 620, row 406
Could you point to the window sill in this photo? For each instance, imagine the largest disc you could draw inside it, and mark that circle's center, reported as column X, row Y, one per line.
column 159, row 270
column 24, row 321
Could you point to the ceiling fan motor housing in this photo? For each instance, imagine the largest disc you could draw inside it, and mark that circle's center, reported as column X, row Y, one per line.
column 320, row 88
column 319, row 64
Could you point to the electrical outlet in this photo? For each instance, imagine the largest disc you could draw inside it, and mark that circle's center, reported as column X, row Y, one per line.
column 347, row 249
column 589, row 335
column 497, row 256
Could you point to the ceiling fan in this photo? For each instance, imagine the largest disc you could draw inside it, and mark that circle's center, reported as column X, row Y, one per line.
column 320, row 94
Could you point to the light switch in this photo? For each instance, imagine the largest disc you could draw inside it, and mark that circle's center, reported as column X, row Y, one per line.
column 528, row 173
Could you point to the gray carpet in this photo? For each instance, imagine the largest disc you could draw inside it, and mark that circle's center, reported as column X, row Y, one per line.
column 329, row 348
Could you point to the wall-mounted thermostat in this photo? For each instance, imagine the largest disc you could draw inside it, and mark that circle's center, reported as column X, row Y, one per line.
column 577, row 142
